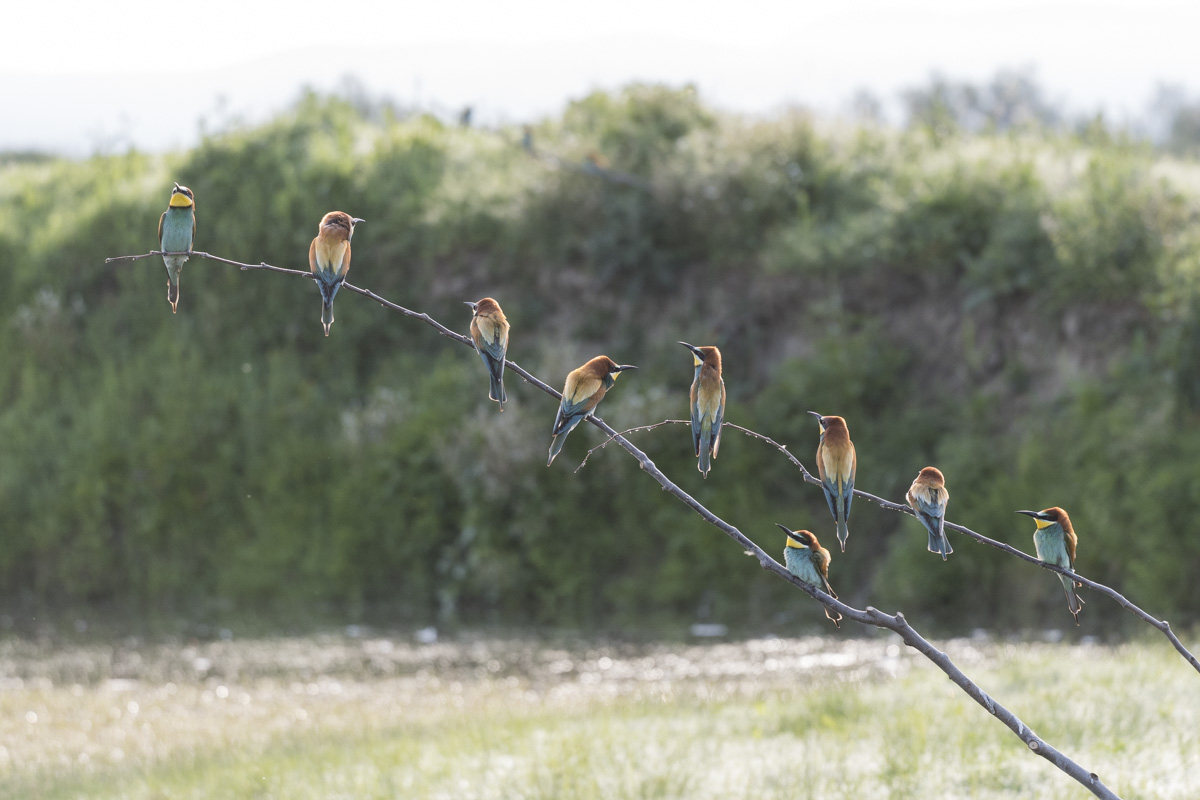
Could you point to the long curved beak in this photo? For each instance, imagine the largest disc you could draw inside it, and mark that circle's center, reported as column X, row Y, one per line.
column 1034, row 514
column 469, row 303
column 818, row 416
column 623, row 367
column 176, row 185
column 694, row 349
column 785, row 529
column 356, row 220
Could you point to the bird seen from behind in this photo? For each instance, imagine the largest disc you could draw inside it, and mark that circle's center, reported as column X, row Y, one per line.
column 928, row 498
column 329, row 258
column 836, row 464
column 707, row 404
column 1055, row 540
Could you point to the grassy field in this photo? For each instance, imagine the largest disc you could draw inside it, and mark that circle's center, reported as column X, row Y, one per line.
column 375, row 716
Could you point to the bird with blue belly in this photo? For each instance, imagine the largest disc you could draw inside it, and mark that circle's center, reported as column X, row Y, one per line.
column 176, row 231
column 807, row 560
column 1055, row 540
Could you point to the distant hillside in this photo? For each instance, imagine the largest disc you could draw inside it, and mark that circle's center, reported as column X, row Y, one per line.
column 1022, row 311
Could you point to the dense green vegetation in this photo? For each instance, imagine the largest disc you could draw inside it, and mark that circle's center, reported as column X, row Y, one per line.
column 1021, row 310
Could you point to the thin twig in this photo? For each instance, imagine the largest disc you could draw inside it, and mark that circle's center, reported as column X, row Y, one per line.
column 605, row 443
column 870, row 616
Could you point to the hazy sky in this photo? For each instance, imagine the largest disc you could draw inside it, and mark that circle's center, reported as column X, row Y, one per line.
column 75, row 77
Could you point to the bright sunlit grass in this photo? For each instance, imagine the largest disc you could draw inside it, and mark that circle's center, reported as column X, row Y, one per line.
column 774, row 718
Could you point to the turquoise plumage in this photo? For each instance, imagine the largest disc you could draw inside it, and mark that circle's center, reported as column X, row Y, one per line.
column 805, row 558
column 176, row 231
column 1055, row 540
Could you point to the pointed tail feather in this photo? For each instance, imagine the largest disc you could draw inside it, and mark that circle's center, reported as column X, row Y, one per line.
column 326, row 315
column 843, row 529
column 705, row 462
column 1074, row 601
column 173, row 292
column 496, row 390
column 556, row 446
column 938, row 543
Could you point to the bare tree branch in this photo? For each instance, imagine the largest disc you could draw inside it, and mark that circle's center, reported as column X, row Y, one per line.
column 1159, row 624
column 870, row 616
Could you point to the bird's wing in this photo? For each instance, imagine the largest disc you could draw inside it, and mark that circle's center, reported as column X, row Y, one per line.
column 312, row 256
column 494, row 338
column 695, row 423
column 193, row 222
column 583, row 394
column 922, row 497
column 718, row 421
column 345, row 266
column 160, row 226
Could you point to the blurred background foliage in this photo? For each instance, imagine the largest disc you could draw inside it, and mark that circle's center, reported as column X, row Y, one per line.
column 1013, row 300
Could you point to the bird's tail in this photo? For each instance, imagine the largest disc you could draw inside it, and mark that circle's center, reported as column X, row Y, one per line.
column 705, row 462
column 1074, row 601
column 938, row 543
column 173, row 290
column 556, row 446
column 327, row 314
column 497, row 386
column 843, row 529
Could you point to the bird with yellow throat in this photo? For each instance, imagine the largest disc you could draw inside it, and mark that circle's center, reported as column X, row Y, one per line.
column 329, row 258
column 176, row 230
column 807, row 560
column 1055, row 540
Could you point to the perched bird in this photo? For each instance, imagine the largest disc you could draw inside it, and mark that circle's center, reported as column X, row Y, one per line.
column 489, row 331
column 1055, row 541
column 836, row 464
column 583, row 391
column 176, row 229
column 708, row 404
column 928, row 497
column 807, row 560
column 329, row 258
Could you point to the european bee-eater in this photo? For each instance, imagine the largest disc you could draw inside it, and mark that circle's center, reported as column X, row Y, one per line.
column 928, row 497
column 176, row 230
column 1054, row 540
column 583, row 391
column 807, row 560
column 836, row 464
column 329, row 258
column 489, row 331
column 708, row 404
